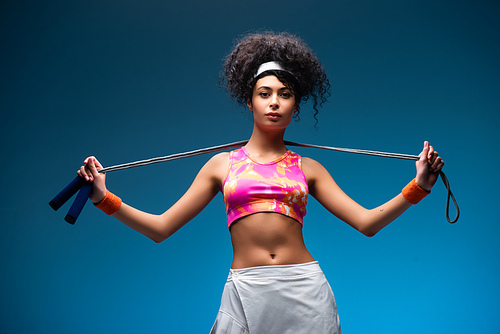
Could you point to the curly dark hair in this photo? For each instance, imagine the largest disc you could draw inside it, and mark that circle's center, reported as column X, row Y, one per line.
column 308, row 79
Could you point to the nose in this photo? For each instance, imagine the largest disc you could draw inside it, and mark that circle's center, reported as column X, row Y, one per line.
column 274, row 103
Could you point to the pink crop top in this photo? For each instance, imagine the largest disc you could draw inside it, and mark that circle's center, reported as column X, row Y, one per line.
column 277, row 186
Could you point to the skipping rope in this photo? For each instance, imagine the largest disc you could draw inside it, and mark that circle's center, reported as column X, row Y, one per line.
column 84, row 188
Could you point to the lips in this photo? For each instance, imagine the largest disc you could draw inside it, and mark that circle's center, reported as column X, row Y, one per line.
column 273, row 114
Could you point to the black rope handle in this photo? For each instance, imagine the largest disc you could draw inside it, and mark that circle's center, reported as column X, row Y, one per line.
column 448, row 196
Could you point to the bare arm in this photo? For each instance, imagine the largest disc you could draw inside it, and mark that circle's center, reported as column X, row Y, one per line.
column 369, row 222
column 159, row 227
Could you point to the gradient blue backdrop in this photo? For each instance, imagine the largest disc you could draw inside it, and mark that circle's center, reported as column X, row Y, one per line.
column 129, row 80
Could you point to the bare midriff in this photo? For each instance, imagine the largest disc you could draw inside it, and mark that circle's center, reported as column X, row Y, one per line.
column 264, row 239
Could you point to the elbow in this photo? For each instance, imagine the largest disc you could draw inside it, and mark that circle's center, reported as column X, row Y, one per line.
column 368, row 229
column 159, row 238
column 369, row 233
column 160, row 233
column 369, row 225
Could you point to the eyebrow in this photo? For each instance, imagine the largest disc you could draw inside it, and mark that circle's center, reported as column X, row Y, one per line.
column 266, row 87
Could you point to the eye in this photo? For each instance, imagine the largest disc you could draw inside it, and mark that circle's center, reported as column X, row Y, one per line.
column 286, row 95
column 264, row 94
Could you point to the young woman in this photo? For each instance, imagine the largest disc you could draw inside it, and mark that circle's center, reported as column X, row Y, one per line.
column 274, row 285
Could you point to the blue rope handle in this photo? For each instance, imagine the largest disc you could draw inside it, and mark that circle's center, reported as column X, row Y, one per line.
column 78, row 183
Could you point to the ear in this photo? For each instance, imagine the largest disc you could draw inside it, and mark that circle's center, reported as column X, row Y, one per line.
column 296, row 108
column 249, row 104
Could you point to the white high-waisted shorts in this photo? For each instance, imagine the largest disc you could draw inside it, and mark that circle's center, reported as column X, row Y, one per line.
column 277, row 300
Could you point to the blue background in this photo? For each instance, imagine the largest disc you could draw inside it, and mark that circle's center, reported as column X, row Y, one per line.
column 129, row 80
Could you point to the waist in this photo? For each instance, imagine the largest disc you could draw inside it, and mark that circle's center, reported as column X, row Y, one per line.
column 265, row 239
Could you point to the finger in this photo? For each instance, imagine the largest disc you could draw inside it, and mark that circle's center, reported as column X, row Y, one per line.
column 430, row 153
column 425, row 151
column 435, row 165
column 83, row 173
column 440, row 166
column 93, row 168
column 433, row 158
column 97, row 164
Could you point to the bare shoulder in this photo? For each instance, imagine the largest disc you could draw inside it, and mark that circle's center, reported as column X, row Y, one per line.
column 310, row 163
column 219, row 160
column 311, row 166
column 313, row 170
column 216, row 167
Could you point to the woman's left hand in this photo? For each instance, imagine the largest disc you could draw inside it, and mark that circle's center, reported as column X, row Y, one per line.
column 428, row 167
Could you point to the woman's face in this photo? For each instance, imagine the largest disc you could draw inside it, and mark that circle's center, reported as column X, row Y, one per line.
column 272, row 103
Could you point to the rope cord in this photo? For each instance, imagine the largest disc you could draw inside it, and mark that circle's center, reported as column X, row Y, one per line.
column 338, row 149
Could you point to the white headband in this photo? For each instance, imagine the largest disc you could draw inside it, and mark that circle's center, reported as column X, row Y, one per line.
column 272, row 65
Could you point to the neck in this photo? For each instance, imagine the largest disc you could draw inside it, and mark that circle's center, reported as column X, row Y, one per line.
column 266, row 142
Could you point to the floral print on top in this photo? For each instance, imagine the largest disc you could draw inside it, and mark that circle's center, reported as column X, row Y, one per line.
column 277, row 186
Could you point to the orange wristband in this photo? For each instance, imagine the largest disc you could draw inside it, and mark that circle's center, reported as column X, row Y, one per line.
column 413, row 193
column 110, row 203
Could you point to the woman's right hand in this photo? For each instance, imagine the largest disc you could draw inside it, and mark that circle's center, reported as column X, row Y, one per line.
column 89, row 172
